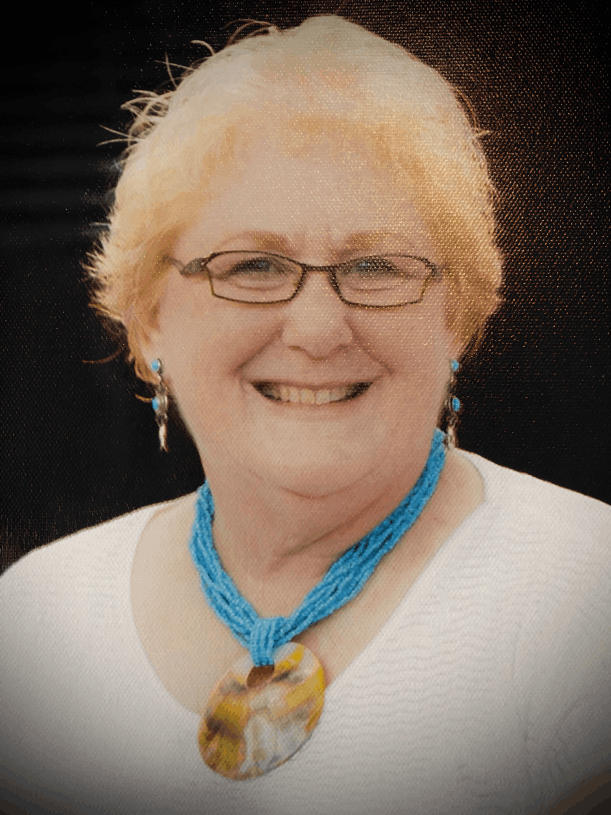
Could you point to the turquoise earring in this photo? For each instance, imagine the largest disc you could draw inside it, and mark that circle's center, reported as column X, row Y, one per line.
column 159, row 403
column 452, row 407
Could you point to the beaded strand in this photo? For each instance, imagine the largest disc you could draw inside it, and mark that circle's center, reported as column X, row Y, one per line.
column 342, row 582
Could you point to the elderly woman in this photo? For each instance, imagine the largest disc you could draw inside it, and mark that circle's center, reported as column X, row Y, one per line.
column 350, row 616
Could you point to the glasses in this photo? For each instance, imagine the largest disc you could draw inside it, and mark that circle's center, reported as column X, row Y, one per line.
column 379, row 281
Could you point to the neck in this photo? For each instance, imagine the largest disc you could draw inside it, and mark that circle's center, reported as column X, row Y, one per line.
column 277, row 544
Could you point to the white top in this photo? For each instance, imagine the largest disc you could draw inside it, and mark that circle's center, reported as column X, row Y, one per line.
column 485, row 692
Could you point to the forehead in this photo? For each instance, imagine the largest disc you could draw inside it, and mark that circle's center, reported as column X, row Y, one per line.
column 300, row 189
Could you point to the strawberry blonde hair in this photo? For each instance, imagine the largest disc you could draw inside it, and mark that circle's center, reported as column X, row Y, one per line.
column 327, row 75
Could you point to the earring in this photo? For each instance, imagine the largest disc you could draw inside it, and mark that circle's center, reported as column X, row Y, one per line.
column 452, row 407
column 159, row 403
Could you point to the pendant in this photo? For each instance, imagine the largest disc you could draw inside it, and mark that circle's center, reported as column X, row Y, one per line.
column 258, row 717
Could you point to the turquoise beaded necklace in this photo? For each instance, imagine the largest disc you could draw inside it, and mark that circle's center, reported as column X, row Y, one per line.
column 342, row 582
column 257, row 696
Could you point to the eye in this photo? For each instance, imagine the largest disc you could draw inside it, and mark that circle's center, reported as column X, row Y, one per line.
column 255, row 266
column 372, row 272
column 257, row 271
column 374, row 266
column 251, row 270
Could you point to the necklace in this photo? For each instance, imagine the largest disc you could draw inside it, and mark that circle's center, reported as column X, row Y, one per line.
column 268, row 703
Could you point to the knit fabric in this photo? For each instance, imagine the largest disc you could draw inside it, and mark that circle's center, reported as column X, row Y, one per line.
column 487, row 690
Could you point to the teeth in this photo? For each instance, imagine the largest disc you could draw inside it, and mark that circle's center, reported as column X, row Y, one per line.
column 306, row 396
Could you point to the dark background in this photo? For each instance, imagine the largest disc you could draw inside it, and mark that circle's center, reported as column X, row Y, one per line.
column 79, row 447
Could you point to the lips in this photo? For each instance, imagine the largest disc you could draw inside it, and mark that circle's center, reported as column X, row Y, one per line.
column 291, row 394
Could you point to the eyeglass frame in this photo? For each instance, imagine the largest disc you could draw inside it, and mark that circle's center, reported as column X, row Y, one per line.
column 435, row 273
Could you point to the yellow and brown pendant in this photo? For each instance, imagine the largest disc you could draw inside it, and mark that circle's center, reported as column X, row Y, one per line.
column 258, row 717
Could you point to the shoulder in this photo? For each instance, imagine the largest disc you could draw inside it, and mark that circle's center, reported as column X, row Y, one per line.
column 545, row 579
column 60, row 598
column 550, row 563
column 82, row 548
column 64, row 576
column 540, row 510
column 70, row 653
column 538, row 557
column 546, row 549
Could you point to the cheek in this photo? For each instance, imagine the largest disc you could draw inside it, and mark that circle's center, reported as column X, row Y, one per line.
column 416, row 343
column 204, row 342
column 416, row 352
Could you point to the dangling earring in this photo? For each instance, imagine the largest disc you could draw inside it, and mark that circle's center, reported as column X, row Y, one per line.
column 452, row 407
column 159, row 403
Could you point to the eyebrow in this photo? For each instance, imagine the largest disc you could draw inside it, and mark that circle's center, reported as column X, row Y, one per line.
column 265, row 241
column 274, row 242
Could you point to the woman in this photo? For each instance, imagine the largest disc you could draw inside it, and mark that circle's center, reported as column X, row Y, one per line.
column 348, row 617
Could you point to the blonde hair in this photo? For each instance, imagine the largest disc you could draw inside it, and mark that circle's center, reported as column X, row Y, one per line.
column 327, row 71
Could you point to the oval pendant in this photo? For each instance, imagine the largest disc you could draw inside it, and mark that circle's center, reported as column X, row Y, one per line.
column 257, row 717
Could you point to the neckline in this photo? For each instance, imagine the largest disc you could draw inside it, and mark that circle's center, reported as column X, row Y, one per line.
column 411, row 596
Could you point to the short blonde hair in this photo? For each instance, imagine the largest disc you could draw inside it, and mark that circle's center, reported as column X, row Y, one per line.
column 327, row 71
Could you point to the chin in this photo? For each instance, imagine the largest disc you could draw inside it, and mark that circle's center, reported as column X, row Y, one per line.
column 316, row 473
column 310, row 475
column 315, row 482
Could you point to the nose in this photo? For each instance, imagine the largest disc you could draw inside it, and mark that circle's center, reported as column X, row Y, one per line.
column 316, row 320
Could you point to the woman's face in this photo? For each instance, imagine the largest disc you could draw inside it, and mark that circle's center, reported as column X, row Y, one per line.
column 321, row 208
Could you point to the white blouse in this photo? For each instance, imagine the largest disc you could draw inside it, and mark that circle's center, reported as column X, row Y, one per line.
column 487, row 690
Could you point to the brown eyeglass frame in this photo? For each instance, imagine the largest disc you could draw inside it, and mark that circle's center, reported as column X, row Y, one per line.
column 199, row 265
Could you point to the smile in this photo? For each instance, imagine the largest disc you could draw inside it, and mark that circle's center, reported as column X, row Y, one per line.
column 307, row 396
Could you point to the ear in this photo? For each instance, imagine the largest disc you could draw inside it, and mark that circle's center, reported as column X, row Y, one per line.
column 145, row 345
